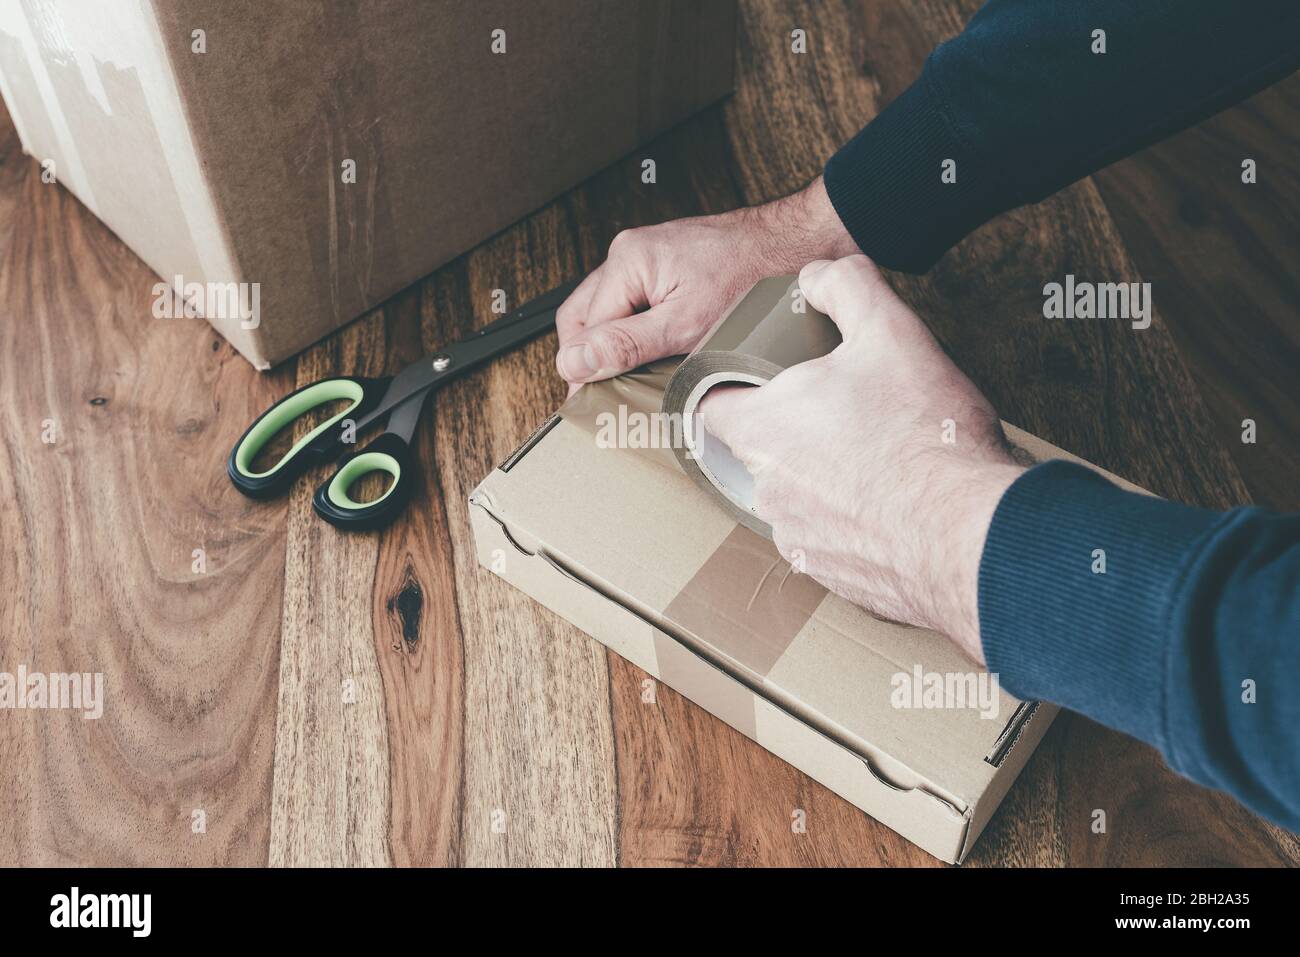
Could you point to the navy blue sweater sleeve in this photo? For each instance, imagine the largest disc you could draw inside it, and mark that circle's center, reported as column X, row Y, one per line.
column 1177, row 625
column 1024, row 107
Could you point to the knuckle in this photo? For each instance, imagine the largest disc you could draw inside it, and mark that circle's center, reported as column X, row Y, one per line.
column 859, row 263
column 834, row 269
column 685, row 322
column 843, row 270
column 615, row 347
column 857, row 282
column 625, row 242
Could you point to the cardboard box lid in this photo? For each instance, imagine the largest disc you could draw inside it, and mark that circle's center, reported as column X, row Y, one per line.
column 650, row 540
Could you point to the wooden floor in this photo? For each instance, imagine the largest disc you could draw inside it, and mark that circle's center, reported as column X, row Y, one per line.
column 226, row 739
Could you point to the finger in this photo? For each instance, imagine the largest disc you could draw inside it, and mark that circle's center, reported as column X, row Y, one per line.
column 848, row 290
column 620, row 293
column 613, row 347
column 571, row 317
column 724, row 410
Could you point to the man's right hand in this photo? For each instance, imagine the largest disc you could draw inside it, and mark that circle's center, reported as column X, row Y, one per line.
column 909, row 457
column 663, row 287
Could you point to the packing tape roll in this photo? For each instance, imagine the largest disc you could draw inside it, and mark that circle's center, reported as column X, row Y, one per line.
column 769, row 330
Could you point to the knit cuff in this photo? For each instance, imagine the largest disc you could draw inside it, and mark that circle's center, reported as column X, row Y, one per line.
column 1076, row 585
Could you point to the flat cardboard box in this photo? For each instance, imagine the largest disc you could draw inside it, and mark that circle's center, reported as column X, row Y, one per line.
column 225, row 167
column 641, row 559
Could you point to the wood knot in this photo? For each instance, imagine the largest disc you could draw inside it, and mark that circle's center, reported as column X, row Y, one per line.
column 407, row 606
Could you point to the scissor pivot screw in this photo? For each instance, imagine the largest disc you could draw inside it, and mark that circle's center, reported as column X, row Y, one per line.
column 441, row 361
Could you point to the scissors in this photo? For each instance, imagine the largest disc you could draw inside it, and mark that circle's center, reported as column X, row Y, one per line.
column 400, row 399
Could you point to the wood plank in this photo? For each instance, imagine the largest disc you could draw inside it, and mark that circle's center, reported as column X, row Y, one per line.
column 1224, row 258
column 538, row 765
column 99, row 531
column 418, row 644
column 329, row 804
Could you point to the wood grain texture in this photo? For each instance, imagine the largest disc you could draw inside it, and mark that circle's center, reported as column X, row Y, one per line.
column 1223, row 257
column 329, row 802
column 381, row 699
column 538, row 784
column 99, row 530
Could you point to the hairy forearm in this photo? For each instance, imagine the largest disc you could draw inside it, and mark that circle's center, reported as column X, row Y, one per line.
column 799, row 228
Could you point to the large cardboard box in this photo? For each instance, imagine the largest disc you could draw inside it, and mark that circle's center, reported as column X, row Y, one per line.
column 892, row 718
column 288, row 165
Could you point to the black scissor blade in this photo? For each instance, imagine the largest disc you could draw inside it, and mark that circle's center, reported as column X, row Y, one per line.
column 416, row 378
column 472, row 352
column 547, row 301
column 530, row 320
column 405, row 415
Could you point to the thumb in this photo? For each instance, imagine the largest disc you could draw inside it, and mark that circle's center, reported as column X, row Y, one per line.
column 617, row 345
column 848, row 290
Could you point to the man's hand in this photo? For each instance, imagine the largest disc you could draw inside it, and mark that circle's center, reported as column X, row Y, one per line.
column 664, row 286
column 878, row 466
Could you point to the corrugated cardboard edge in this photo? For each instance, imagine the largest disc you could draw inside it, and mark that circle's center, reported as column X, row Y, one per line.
column 1026, row 736
column 537, row 435
column 941, row 826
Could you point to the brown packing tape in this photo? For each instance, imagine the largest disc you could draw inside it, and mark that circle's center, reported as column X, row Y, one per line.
column 751, row 604
column 615, row 409
column 748, row 600
column 769, row 330
column 681, row 669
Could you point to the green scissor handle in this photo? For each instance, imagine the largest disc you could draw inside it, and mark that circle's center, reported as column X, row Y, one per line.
column 321, row 444
column 389, row 453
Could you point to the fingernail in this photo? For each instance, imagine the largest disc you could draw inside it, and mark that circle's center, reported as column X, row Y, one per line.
column 817, row 265
column 578, row 362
